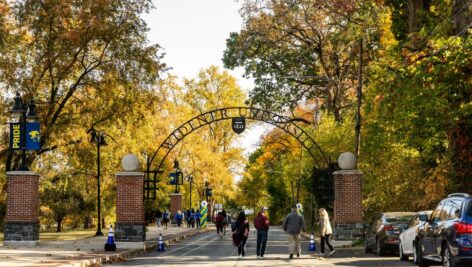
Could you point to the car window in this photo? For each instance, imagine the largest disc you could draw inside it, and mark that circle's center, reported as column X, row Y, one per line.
column 399, row 219
column 435, row 217
column 468, row 212
column 455, row 211
column 445, row 211
column 414, row 221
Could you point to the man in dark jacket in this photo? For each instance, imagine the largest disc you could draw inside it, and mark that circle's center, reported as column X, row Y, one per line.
column 293, row 225
column 261, row 223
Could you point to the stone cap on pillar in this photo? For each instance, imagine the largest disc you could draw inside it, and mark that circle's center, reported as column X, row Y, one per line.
column 130, row 163
column 347, row 172
column 129, row 174
column 22, row 173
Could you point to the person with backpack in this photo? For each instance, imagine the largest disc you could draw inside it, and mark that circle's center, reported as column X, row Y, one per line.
column 158, row 218
column 187, row 218
column 198, row 217
column 225, row 221
column 261, row 223
column 219, row 224
column 241, row 233
column 192, row 218
column 293, row 225
column 178, row 218
column 165, row 218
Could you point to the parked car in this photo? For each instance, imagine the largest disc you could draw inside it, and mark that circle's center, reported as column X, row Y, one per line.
column 406, row 244
column 382, row 235
column 447, row 235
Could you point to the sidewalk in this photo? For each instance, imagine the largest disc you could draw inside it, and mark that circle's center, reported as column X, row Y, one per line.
column 338, row 244
column 88, row 251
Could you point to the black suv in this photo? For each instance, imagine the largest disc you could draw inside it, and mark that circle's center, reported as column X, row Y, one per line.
column 446, row 237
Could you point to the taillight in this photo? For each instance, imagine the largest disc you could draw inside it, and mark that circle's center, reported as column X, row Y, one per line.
column 388, row 228
column 463, row 228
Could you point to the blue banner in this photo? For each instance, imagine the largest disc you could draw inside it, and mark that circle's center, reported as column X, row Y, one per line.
column 172, row 176
column 32, row 136
column 15, row 136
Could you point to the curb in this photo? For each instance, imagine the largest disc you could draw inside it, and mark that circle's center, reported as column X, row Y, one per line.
column 150, row 245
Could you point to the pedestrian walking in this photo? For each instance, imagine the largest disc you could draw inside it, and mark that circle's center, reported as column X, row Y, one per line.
column 187, row 218
column 165, row 218
column 261, row 223
column 178, row 218
column 293, row 225
column 198, row 217
column 192, row 218
column 158, row 218
column 219, row 224
column 325, row 231
column 225, row 221
column 241, row 233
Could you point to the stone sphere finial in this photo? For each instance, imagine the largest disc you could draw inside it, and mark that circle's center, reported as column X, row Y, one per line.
column 347, row 161
column 130, row 163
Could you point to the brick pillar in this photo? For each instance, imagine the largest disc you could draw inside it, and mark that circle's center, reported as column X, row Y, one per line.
column 22, row 215
column 175, row 205
column 130, row 222
column 348, row 213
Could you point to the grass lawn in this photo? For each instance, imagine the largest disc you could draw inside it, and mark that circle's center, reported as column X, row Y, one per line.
column 73, row 234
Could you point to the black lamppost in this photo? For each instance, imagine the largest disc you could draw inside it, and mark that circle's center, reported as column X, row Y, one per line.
column 21, row 116
column 98, row 138
column 208, row 191
column 208, row 194
column 178, row 174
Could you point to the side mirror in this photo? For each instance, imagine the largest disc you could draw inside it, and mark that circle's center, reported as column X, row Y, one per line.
column 423, row 217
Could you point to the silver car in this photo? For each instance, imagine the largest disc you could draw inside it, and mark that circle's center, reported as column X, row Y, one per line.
column 406, row 246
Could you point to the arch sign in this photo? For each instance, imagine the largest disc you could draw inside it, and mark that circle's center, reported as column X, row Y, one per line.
column 239, row 115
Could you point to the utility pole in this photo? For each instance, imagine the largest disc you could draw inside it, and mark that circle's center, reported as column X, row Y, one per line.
column 359, row 102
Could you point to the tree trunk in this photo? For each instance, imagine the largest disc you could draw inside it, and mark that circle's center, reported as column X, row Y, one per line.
column 59, row 225
column 416, row 12
column 87, row 221
column 463, row 16
column 460, row 139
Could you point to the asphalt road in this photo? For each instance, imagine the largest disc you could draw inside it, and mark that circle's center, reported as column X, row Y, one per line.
column 209, row 250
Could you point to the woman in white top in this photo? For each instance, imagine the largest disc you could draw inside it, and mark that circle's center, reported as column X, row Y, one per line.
column 325, row 231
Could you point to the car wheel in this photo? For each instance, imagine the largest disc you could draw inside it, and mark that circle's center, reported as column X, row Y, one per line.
column 380, row 249
column 448, row 258
column 419, row 256
column 403, row 257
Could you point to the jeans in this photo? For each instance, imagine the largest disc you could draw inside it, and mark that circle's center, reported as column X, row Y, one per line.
column 198, row 223
column 261, row 242
column 294, row 244
column 158, row 221
column 241, row 247
column 323, row 240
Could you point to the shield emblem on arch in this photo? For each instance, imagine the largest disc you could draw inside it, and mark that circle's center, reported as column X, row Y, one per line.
column 239, row 125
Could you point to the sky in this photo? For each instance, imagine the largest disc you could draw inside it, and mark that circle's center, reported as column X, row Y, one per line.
column 193, row 36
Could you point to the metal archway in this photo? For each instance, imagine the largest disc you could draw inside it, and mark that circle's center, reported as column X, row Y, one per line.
column 285, row 123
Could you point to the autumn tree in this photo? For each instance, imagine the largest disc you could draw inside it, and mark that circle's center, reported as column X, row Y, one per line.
column 67, row 54
column 298, row 50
